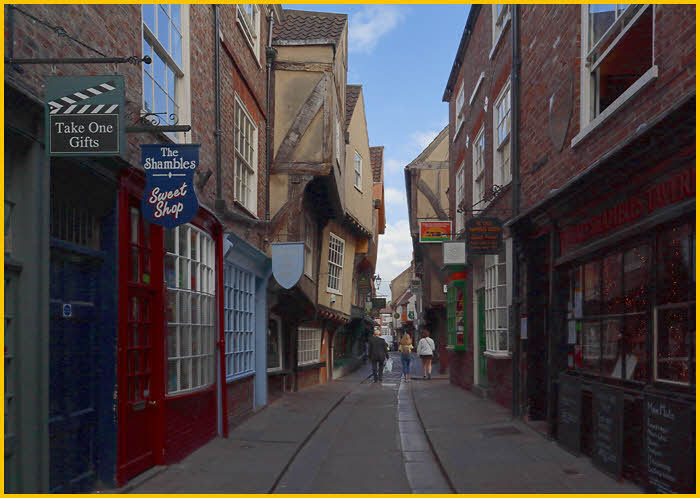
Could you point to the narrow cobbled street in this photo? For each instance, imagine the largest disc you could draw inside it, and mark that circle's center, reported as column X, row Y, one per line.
column 355, row 436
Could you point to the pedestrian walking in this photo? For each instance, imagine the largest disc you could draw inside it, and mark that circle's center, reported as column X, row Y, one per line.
column 378, row 354
column 405, row 347
column 425, row 350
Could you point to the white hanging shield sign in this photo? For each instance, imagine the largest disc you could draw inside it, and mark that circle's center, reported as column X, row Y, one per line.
column 287, row 262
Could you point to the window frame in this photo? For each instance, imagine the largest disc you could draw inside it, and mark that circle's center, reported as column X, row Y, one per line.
column 252, row 34
column 493, row 266
column 251, row 204
column 316, row 341
column 499, row 23
column 239, row 322
column 341, row 242
column 206, row 263
column 499, row 145
column 459, row 110
column 479, row 169
column 358, row 171
column 459, row 198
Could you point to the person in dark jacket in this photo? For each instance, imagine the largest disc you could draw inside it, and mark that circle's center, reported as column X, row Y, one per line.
column 378, row 354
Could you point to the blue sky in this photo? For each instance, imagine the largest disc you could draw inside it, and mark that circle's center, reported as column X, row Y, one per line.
column 402, row 55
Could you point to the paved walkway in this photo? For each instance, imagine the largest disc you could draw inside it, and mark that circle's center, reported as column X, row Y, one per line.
column 321, row 440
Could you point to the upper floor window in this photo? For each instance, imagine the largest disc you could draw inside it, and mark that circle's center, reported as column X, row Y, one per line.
column 309, row 244
column 478, row 169
column 459, row 110
column 336, row 253
column 358, row 171
column 500, row 15
column 618, row 55
column 245, row 135
column 249, row 20
column 501, row 121
column 163, row 41
column 459, row 200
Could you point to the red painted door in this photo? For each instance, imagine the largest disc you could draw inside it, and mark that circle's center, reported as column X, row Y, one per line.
column 141, row 330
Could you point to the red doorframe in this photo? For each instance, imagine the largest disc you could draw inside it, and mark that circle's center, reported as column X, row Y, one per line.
column 221, row 343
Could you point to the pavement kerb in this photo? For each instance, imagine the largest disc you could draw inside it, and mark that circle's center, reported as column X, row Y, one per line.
column 430, row 444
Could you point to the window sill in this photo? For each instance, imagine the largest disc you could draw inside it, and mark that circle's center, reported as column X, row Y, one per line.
column 459, row 128
column 651, row 74
column 498, row 355
column 499, row 37
column 334, row 292
column 476, row 88
column 309, row 366
column 245, row 209
column 358, row 189
column 237, row 377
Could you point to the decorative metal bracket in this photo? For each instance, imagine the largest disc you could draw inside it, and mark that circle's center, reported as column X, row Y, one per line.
column 133, row 59
column 495, row 192
column 151, row 122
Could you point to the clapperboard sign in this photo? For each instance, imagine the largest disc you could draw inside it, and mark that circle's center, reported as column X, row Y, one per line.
column 169, row 199
column 85, row 115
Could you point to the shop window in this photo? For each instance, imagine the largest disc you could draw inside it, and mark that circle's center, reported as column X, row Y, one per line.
column 190, row 312
column 336, row 254
column 245, row 135
column 496, row 306
column 479, row 171
column 69, row 222
column 618, row 52
column 239, row 321
column 308, row 345
column 274, row 344
column 165, row 40
column 501, row 123
column 674, row 314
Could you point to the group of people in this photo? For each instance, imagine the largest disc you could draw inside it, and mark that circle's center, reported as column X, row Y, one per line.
column 379, row 353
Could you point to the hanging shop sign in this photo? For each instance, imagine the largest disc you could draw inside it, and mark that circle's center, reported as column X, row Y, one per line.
column 484, row 235
column 454, row 252
column 363, row 284
column 416, row 286
column 169, row 198
column 378, row 303
column 85, row 115
column 435, row 231
column 287, row 262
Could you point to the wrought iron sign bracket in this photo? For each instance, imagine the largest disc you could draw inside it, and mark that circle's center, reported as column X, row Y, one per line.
column 149, row 123
column 135, row 60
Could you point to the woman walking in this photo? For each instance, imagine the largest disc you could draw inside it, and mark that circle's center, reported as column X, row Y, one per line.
column 425, row 349
column 405, row 347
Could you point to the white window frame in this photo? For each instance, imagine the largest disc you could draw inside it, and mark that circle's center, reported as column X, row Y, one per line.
column 459, row 198
column 459, row 110
column 181, row 96
column 276, row 319
column 494, row 266
column 499, row 23
column 239, row 322
column 250, row 27
column 479, row 169
column 336, row 256
column 308, row 345
column 337, row 139
column 188, row 329
column 590, row 117
column 501, row 137
column 358, row 171
column 309, row 245
column 250, row 200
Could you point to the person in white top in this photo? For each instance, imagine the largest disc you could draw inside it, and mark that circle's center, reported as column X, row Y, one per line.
column 425, row 350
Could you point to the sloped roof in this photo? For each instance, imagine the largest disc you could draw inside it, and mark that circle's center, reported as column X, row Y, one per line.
column 376, row 155
column 352, row 94
column 429, row 149
column 302, row 25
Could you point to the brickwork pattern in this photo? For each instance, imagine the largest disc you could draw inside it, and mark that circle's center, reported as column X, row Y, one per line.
column 239, row 400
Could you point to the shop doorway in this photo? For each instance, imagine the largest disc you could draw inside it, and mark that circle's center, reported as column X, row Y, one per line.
column 537, row 303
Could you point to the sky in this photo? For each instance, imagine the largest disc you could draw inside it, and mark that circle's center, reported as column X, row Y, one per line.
column 402, row 55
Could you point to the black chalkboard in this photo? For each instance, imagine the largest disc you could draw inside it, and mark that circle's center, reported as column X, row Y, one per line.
column 669, row 427
column 608, row 412
column 569, row 413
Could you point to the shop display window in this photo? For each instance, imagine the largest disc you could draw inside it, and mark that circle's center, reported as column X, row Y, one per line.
column 239, row 321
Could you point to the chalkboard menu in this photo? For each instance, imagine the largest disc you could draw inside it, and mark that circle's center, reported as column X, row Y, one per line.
column 670, row 445
column 608, row 412
column 569, row 416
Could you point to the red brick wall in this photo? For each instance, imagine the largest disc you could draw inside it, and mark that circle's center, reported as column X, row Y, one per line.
column 275, row 387
column 461, row 369
column 500, row 375
column 308, row 378
column 545, row 68
column 239, row 400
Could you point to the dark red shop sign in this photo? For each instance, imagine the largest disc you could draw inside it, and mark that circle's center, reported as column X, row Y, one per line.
column 484, row 235
column 673, row 190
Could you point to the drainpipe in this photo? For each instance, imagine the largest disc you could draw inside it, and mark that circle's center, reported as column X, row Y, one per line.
column 270, row 53
column 515, row 168
column 219, row 203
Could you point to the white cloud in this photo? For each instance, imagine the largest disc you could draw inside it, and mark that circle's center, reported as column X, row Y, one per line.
column 395, row 253
column 394, row 196
column 370, row 24
column 393, row 165
column 421, row 139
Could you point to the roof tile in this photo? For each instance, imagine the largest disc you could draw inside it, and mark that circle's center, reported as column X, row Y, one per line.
column 352, row 93
column 297, row 25
column 376, row 155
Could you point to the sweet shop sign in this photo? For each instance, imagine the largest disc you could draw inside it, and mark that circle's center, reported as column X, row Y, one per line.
column 169, row 198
